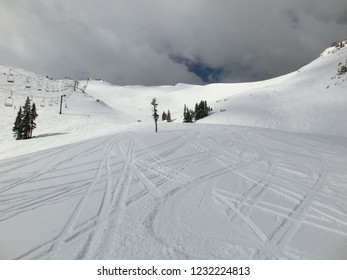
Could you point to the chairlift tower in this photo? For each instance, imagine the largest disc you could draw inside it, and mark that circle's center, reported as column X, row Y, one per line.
column 61, row 102
column 75, row 86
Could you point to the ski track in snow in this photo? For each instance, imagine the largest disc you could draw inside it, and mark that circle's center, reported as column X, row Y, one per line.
column 133, row 195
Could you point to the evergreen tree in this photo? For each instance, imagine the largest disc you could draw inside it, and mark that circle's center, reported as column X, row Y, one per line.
column 155, row 113
column 33, row 116
column 201, row 110
column 185, row 113
column 188, row 115
column 27, row 105
column 26, row 120
column 26, row 125
column 164, row 116
column 17, row 128
column 196, row 110
column 168, row 116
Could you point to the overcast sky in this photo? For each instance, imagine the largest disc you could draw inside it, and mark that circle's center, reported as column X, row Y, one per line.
column 156, row 42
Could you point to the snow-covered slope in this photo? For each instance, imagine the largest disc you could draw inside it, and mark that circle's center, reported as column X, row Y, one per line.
column 94, row 183
column 312, row 100
column 188, row 192
column 82, row 116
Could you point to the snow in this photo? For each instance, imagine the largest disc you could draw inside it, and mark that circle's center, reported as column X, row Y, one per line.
column 266, row 178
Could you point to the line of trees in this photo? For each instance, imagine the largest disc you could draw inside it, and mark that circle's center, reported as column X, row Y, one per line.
column 166, row 116
column 201, row 111
column 25, row 121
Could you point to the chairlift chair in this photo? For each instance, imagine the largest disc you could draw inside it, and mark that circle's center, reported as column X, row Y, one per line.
column 28, row 85
column 9, row 101
column 10, row 76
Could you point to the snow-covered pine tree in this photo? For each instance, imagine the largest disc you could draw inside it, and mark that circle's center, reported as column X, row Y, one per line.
column 17, row 128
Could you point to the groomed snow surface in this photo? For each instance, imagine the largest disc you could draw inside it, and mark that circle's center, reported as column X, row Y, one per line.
column 266, row 178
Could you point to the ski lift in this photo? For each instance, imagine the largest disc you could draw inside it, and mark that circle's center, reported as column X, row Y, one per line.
column 10, row 76
column 43, row 103
column 9, row 100
column 50, row 102
column 28, row 85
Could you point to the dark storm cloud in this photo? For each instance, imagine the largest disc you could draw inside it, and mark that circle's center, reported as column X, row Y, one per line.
column 135, row 41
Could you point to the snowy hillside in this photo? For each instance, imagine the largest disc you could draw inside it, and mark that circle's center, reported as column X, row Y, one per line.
column 312, row 100
column 82, row 116
column 266, row 178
